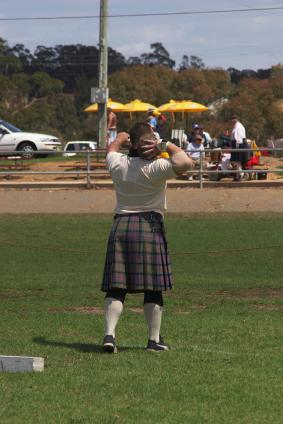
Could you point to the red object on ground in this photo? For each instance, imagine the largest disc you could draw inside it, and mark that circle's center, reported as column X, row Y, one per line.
column 253, row 161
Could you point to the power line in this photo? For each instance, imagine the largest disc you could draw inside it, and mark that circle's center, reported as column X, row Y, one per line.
column 136, row 15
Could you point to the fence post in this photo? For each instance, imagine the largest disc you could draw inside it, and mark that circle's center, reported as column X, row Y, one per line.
column 88, row 181
column 200, row 171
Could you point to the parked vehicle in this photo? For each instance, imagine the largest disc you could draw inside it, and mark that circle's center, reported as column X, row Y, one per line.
column 26, row 144
column 72, row 148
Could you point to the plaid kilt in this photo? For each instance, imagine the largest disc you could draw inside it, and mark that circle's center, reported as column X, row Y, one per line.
column 137, row 257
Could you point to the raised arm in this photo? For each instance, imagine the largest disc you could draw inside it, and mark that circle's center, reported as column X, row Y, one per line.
column 122, row 141
column 180, row 160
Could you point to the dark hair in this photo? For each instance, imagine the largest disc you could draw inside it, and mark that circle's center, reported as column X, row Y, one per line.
column 137, row 131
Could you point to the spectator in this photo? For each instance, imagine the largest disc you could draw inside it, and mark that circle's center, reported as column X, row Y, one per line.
column 224, row 140
column 195, row 131
column 195, row 150
column 111, row 126
column 151, row 119
column 238, row 141
column 160, row 126
column 199, row 130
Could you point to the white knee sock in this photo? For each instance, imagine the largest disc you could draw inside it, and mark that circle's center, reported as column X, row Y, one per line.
column 153, row 314
column 112, row 311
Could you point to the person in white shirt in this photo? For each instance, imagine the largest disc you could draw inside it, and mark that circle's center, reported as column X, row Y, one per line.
column 238, row 141
column 195, row 150
column 137, row 259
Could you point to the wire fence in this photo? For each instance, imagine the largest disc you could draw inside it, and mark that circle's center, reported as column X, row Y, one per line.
column 91, row 164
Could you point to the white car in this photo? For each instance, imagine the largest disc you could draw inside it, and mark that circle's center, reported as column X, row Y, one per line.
column 13, row 139
column 72, row 148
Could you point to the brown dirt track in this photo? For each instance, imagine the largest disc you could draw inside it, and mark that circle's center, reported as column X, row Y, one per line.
column 182, row 200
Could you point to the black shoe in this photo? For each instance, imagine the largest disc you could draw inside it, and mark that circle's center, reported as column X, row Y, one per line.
column 153, row 346
column 109, row 345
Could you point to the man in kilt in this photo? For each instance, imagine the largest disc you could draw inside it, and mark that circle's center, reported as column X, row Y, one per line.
column 137, row 259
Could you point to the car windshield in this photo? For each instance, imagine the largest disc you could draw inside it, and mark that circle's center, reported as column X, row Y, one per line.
column 10, row 127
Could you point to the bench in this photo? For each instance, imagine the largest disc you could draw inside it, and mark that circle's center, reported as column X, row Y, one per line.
column 79, row 166
column 9, row 167
column 96, row 170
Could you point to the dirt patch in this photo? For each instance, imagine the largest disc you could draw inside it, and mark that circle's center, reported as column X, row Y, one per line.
column 179, row 200
column 136, row 310
column 91, row 310
column 250, row 294
column 197, row 307
column 266, row 307
column 15, row 294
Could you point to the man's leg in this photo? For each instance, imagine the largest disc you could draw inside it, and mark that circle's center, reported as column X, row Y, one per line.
column 153, row 305
column 113, row 308
column 236, row 167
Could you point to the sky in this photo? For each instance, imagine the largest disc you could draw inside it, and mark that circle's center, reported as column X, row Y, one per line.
column 242, row 40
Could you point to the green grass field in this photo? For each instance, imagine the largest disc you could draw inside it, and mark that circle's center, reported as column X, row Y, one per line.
column 223, row 321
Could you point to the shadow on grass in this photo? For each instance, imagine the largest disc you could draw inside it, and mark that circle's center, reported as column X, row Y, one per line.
column 82, row 347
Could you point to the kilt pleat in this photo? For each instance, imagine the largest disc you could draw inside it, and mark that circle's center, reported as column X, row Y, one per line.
column 137, row 258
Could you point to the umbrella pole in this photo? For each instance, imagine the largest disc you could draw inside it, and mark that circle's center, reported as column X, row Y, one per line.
column 187, row 122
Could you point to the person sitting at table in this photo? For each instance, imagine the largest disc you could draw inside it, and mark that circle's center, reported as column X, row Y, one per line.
column 195, row 150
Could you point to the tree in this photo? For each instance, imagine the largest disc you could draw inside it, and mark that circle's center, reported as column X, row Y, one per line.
column 66, row 115
column 44, row 85
column 24, row 55
column 185, row 63
column 219, row 82
column 276, row 70
column 158, row 56
column 235, row 75
column 151, row 84
column 44, row 60
column 252, row 102
column 8, row 62
column 133, row 60
column 196, row 62
column 116, row 60
column 191, row 84
column 276, row 84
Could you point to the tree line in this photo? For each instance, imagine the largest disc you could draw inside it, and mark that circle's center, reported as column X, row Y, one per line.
column 46, row 91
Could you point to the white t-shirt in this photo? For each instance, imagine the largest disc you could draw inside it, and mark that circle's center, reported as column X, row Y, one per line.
column 139, row 184
column 194, row 150
column 238, row 132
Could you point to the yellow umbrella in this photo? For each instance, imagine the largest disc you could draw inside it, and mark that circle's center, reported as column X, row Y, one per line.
column 168, row 107
column 182, row 106
column 138, row 106
column 115, row 106
column 189, row 106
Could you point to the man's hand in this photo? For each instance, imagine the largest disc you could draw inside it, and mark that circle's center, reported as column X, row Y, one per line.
column 149, row 149
column 123, row 138
column 122, row 141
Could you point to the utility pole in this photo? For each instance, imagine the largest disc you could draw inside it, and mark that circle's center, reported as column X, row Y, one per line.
column 103, row 73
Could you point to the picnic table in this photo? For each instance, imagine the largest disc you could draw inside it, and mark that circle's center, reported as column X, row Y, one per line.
column 12, row 164
column 98, row 169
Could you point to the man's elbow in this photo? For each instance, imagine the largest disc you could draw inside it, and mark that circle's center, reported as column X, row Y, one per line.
column 183, row 167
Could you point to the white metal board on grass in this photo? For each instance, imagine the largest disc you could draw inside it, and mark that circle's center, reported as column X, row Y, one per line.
column 21, row 363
